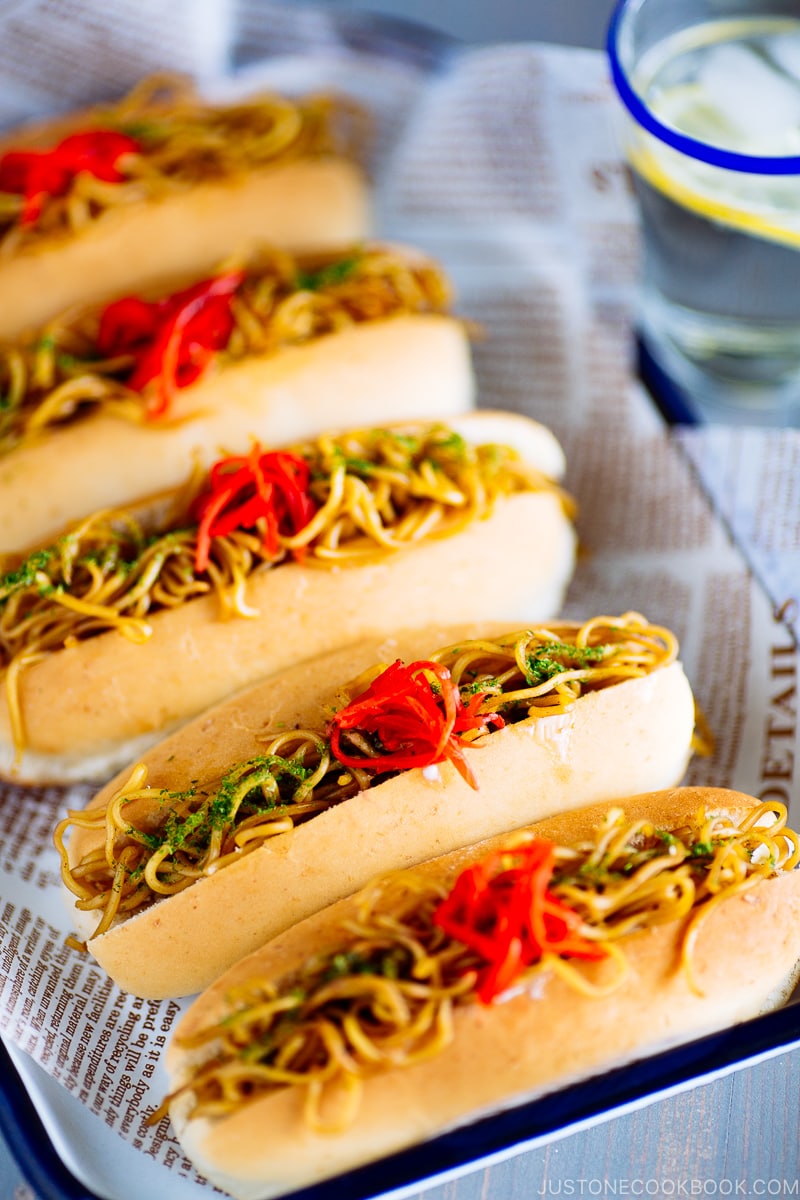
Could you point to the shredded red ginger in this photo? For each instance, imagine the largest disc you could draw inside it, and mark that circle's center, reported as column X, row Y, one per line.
column 502, row 908
column 268, row 491
column 40, row 174
column 173, row 340
column 417, row 716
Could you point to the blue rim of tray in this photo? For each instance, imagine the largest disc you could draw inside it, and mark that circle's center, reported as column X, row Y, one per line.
column 512, row 1130
column 729, row 160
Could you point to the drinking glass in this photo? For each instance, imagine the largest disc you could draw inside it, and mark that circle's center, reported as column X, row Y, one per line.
column 710, row 93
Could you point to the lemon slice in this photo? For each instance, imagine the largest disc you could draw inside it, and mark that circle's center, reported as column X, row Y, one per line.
column 775, row 228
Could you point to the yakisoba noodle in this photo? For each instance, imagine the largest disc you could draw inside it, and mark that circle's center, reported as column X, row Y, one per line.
column 282, row 301
column 541, row 671
column 377, row 492
column 387, row 994
column 184, row 141
column 158, row 843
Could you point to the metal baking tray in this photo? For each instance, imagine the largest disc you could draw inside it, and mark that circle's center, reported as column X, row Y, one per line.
column 67, row 1154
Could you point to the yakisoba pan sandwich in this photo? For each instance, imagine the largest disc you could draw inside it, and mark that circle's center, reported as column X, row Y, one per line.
column 106, row 405
column 485, row 979
column 130, row 623
column 294, row 793
column 162, row 185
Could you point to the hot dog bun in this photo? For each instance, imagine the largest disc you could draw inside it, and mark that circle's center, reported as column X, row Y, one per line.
column 91, row 707
column 745, row 961
column 388, row 370
column 296, row 198
column 373, row 346
column 629, row 737
column 304, row 205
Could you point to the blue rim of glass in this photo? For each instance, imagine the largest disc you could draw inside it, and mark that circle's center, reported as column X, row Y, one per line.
column 729, row 160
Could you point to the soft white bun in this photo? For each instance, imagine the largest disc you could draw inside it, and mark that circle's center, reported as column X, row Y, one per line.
column 399, row 368
column 634, row 736
column 89, row 708
column 745, row 960
column 305, row 205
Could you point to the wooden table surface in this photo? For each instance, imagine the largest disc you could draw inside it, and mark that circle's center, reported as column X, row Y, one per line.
column 738, row 1136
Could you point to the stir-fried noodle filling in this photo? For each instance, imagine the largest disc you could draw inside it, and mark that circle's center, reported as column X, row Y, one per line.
column 174, row 140
column 117, row 358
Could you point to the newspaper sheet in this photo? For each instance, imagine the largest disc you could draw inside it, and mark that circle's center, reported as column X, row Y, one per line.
column 505, row 164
